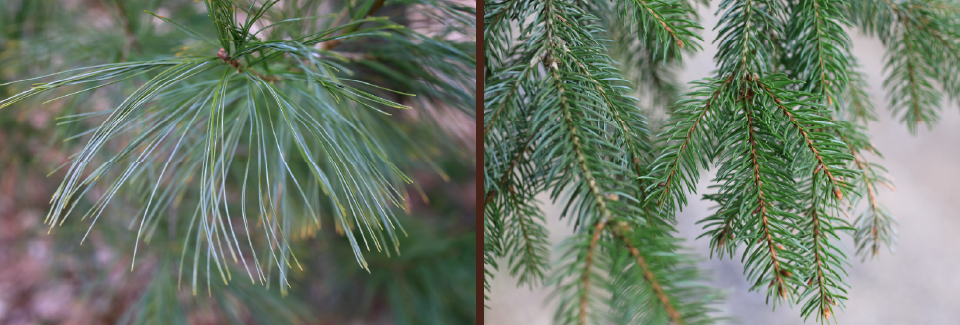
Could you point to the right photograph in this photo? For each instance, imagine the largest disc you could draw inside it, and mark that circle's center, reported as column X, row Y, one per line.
column 727, row 162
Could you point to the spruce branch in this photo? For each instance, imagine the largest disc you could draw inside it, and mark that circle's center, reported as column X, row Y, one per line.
column 651, row 279
column 557, row 92
column 824, row 141
column 779, row 121
column 821, row 55
column 763, row 204
column 591, row 250
column 649, row 38
column 857, row 104
column 921, row 38
column 510, row 204
column 875, row 225
column 691, row 127
column 825, row 184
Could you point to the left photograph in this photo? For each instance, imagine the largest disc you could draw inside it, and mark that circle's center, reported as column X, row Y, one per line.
column 238, row 162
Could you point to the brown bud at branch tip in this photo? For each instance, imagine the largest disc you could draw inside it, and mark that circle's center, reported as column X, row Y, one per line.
column 222, row 55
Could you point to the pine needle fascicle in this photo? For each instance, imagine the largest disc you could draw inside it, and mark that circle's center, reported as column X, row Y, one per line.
column 295, row 134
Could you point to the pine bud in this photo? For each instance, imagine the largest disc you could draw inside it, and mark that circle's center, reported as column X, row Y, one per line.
column 779, row 246
column 810, row 282
column 826, row 313
column 613, row 197
column 222, row 55
column 785, row 273
column 783, row 292
column 662, row 184
column 817, row 170
column 838, row 194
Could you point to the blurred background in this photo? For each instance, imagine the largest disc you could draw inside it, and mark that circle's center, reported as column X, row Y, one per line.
column 49, row 278
column 918, row 284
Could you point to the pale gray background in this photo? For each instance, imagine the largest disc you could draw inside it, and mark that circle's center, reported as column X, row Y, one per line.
column 919, row 284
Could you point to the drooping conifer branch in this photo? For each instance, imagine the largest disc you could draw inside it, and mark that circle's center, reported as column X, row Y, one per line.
column 808, row 141
column 767, row 237
column 873, row 205
column 652, row 281
column 591, row 250
column 582, row 122
column 775, row 112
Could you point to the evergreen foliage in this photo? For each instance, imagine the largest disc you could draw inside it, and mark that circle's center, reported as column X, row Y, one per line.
column 263, row 128
column 782, row 119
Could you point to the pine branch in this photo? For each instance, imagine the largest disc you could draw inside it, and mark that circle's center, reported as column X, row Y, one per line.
column 377, row 4
column 341, row 147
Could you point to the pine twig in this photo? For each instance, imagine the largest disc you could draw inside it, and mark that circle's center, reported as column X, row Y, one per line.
column 334, row 43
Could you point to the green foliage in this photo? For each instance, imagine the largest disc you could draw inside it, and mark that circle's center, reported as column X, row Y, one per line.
column 782, row 119
column 922, row 53
column 557, row 119
column 239, row 155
